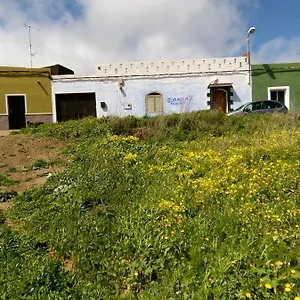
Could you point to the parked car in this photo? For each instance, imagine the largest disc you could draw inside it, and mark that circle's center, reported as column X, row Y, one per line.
column 264, row 106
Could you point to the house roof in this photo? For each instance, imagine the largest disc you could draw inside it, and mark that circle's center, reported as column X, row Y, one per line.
column 217, row 83
column 60, row 70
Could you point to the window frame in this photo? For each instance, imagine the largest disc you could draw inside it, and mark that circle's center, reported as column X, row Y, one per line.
column 286, row 90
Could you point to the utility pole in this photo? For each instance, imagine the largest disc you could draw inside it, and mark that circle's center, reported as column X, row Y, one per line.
column 30, row 43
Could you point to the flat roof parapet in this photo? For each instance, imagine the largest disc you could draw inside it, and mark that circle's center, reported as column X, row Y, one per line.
column 225, row 64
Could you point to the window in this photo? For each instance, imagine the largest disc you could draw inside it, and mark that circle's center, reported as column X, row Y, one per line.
column 280, row 94
column 154, row 103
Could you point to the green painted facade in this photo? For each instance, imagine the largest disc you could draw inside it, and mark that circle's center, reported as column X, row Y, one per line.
column 277, row 75
column 34, row 83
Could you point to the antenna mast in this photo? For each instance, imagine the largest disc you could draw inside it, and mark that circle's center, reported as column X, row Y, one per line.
column 30, row 43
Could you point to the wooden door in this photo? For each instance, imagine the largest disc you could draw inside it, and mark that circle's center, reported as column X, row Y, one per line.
column 220, row 100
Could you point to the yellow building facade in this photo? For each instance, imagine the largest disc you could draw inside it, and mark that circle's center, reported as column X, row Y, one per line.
column 25, row 97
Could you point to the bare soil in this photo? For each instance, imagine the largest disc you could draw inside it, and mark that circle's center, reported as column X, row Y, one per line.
column 19, row 153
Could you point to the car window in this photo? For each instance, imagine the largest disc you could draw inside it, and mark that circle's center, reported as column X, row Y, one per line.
column 248, row 107
column 270, row 105
column 240, row 108
column 253, row 106
column 256, row 106
column 263, row 105
column 278, row 105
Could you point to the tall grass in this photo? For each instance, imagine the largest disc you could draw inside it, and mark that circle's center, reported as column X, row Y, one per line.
column 206, row 207
column 186, row 126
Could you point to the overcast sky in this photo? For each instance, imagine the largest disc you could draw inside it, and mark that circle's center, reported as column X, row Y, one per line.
column 82, row 33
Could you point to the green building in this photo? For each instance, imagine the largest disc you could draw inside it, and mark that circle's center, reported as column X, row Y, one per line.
column 279, row 82
column 25, row 96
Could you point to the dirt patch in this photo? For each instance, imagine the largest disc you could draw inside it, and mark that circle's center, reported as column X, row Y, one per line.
column 4, row 205
column 67, row 263
column 26, row 161
column 5, row 132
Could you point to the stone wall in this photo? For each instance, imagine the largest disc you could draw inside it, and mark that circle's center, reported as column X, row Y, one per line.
column 4, row 122
column 33, row 118
column 36, row 118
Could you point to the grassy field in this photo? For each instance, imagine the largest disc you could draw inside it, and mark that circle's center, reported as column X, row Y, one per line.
column 193, row 206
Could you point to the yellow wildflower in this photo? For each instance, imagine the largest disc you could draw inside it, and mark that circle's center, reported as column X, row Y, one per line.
column 279, row 264
column 136, row 273
column 297, row 298
column 293, row 272
column 287, row 287
column 268, row 286
column 248, row 295
column 130, row 156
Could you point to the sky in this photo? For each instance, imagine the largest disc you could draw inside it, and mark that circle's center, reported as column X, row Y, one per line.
column 81, row 34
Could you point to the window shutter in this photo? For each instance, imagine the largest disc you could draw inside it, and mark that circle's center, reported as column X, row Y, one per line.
column 150, row 104
column 158, row 104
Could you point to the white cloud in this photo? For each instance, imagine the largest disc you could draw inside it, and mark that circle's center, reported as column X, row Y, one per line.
column 119, row 30
column 279, row 50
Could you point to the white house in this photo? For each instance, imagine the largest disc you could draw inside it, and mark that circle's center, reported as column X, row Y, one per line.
column 151, row 88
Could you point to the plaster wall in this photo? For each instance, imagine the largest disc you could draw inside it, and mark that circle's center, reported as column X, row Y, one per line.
column 35, row 84
column 182, row 93
column 277, row 75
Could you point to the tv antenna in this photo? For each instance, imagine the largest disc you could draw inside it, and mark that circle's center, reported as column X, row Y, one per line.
column 30, row 42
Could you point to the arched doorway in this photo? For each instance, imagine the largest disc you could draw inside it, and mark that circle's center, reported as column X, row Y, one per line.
column 219, row 100
column 154, row 103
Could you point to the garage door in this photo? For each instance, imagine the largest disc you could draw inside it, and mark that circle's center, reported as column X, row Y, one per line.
column 75, row 106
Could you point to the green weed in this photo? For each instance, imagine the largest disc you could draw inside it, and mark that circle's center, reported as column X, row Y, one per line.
column 6, row 181
column 39, row 164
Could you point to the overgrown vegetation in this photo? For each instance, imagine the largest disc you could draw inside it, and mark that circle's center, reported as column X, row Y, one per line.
column 186, row 126
column 6, row 181
column 28, row 273
column 203, row 207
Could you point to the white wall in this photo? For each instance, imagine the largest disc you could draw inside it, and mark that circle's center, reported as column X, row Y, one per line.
column 189, row 92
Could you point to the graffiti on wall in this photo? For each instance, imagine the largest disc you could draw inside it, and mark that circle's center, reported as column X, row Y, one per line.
column 180, row 100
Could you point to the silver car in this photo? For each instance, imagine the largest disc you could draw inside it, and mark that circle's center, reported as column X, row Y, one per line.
column 264, row 106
